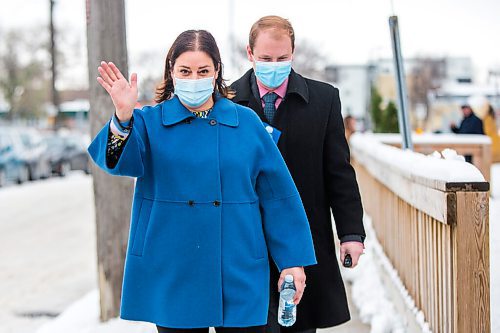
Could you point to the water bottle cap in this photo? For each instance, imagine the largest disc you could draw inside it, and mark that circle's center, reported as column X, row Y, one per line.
column 289, row 278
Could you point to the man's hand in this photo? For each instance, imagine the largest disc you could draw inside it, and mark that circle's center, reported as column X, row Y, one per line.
column 299, row 279
column 355, row 249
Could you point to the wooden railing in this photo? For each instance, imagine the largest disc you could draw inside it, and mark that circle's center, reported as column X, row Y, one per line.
column 434, row 230
column 478, row 147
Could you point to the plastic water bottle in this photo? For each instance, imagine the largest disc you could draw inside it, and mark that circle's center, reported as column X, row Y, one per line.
column 287, row 311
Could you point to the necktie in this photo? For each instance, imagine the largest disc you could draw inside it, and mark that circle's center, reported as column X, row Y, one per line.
column 269, row 105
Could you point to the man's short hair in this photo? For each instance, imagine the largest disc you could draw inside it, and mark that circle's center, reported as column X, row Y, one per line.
column 271, row 22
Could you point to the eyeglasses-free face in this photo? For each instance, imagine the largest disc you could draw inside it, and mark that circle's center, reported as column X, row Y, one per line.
column 194, row 65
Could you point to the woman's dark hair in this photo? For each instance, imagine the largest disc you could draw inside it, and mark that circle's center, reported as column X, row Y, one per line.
column 191, row 40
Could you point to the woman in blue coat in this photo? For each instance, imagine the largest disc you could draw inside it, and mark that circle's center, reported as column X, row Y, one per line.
column 213, row 195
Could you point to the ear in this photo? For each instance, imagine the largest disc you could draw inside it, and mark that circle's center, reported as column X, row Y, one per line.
column 249, row 54
column 172, row 72
column 217, row 70
column 216, row 75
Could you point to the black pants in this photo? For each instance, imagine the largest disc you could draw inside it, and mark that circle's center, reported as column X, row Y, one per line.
column 252, row 329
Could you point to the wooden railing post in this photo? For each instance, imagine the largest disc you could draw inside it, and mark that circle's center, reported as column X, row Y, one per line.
column 470, row 239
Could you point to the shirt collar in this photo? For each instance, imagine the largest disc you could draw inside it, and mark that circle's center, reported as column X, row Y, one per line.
column 224, row 111
column 296, row 85
column 280, row 91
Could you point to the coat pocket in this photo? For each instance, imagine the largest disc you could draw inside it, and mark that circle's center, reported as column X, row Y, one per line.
column 141, row 227
column 259, row 241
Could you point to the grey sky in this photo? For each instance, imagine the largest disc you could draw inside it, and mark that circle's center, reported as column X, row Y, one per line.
column 345, row 31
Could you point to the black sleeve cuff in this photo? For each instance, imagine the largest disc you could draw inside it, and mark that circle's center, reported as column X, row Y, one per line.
column 352, row 238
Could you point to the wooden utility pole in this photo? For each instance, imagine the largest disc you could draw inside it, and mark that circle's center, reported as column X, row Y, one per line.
column 106, row 40
column 53, row 57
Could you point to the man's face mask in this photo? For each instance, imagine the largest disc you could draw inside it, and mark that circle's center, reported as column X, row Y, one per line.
column 272, row 74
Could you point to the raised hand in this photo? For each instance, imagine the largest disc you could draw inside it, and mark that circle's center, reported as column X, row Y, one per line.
column 123, row 93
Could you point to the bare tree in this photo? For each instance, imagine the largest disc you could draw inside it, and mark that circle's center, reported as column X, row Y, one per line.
column 107, row 41
column 308, row 60
column 23, row 79
column 151, row 73
column 426, row 76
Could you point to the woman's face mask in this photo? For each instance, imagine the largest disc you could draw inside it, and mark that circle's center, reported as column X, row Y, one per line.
column 194, row 92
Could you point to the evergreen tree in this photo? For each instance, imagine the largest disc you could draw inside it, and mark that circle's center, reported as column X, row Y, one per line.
column 384, row 120
column 375, row 109
column 390, row 117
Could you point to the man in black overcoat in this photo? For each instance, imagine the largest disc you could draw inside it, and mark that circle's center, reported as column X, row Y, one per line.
column 304, row 117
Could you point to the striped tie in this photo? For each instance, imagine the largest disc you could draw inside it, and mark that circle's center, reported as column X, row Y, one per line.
column 269, row 105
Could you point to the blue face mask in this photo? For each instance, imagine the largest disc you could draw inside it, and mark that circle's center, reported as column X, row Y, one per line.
column 272, row 74
column 194, row 93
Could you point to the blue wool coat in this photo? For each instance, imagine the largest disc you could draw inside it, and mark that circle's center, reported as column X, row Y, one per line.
column 212, row 198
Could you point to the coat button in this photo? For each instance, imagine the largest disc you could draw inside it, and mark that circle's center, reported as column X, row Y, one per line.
column 213, row 122
column 216, row 203
column 191, row 203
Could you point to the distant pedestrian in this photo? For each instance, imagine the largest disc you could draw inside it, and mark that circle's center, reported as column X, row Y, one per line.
column 350, row 126
column 470, row 124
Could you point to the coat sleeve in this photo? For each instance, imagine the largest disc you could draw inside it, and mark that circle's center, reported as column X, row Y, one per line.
column 131, row 160
column 341, row 185
column 286, row 228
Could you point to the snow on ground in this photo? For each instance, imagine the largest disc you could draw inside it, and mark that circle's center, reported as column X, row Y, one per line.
column 47, row 247
column 83, row 317
column 370, row 294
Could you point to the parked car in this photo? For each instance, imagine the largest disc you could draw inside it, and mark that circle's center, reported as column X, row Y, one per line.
column 13, row 163
column 56, row 152
column 35, row 152
column 77, row 149
column 67, row 151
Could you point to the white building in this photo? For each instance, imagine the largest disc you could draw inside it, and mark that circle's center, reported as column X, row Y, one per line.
column 354, row 83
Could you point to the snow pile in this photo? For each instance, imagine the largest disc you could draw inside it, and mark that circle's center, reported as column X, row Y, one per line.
column 370, row 295
column 83, row 317
column 429, row 138
column 410, row 163
column 448, row 154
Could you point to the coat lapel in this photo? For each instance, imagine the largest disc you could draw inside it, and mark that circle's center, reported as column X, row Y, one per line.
column 245, row 95
column 224, row 111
